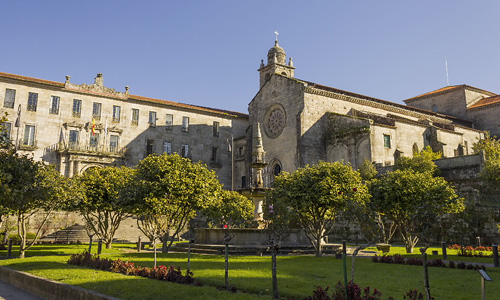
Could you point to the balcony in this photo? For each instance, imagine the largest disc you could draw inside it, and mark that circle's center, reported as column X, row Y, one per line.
column 91, row 149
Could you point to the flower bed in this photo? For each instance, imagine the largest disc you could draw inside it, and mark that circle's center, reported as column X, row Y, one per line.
column 355, row 292
column 470, row 251
column 171, row 273
column 416, row 261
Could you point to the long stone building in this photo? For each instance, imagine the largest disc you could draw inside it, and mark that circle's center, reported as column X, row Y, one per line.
column 78, row 126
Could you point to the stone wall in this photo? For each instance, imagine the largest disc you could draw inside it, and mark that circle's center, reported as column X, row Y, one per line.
column 215, row 236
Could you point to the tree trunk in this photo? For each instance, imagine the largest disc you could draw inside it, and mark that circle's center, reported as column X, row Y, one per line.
column 154, row 250
column 109, row 244
column 22, row 235
column 354, row 262
column 319, row 250
column 410, row 241
column 276, row 293
column 164, row 245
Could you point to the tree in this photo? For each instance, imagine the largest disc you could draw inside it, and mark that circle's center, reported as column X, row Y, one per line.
column 279, row 221
column 103, row 207
column 168, row 191
column 414, row 201
column 368, row 171
column 317, row 194
column 233, row 210
column 4, row 177
column 491, row 148
column 420, row 162
column 31, row 188
column 4, row 140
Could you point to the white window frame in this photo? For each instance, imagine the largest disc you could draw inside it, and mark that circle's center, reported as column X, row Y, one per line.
column 185, row 124
column 167, row 147
column 29, row 135
column 54, row 105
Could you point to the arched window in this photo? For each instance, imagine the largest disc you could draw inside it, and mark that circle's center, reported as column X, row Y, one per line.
column 434, row 108
column 415, row 149
column 276, row 170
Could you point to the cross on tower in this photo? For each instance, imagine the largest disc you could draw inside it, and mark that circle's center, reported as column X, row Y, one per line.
column 276, row 32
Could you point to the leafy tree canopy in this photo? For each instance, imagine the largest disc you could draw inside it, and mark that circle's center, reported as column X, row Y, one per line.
column 31, row 187
column 316, row 194
column 420, row 162
column 103, row 205
column 169, row 190
column 232, row 209
column 414, row 200
column 490, row 146
column 368, row 171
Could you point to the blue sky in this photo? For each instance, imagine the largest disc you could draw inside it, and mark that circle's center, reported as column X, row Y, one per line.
column 208, row 52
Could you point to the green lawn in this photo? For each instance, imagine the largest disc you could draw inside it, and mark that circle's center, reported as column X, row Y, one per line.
column 298, row 275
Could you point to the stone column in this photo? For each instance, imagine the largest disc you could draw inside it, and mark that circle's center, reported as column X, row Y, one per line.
column 76, row 169
column 70, row 169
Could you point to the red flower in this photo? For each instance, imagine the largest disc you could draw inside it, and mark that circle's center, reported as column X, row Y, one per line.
column 355, row 189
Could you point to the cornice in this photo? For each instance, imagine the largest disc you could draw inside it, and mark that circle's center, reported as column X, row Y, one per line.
column 367, row 102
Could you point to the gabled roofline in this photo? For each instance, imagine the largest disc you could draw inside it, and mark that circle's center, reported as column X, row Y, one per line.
column 447, row 89
column 62, row 87
column 485, row 103
column 313, row 85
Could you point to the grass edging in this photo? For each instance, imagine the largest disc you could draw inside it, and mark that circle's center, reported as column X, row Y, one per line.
column 48, row 289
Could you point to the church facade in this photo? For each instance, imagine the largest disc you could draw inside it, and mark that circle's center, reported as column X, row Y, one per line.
column 298, row 122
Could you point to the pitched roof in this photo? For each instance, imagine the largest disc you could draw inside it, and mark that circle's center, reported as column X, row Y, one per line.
column 486, row 102
column 31, row 79
column 415, row 109
column 187, row 106
column 132, row 97
column 449, row 89
column 444, row 89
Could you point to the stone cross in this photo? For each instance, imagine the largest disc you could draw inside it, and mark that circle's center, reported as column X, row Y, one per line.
column 276, row 32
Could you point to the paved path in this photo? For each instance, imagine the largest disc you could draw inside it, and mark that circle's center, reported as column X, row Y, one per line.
column 10, row 292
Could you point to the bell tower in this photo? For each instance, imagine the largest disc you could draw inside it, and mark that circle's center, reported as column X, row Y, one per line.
column 276, row 63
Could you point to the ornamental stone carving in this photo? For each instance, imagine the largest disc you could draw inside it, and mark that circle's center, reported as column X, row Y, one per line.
column 275, row 121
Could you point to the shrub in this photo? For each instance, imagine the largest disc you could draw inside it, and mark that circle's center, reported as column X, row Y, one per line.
column 320, row 294
column 436, row 263
column 414, row 261
column 398, row 259
column 354, row 292
column 171, row 273
column 86, row 259
column 414, row 295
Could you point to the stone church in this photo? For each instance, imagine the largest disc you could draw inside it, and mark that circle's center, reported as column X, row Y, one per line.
column 290, row 123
